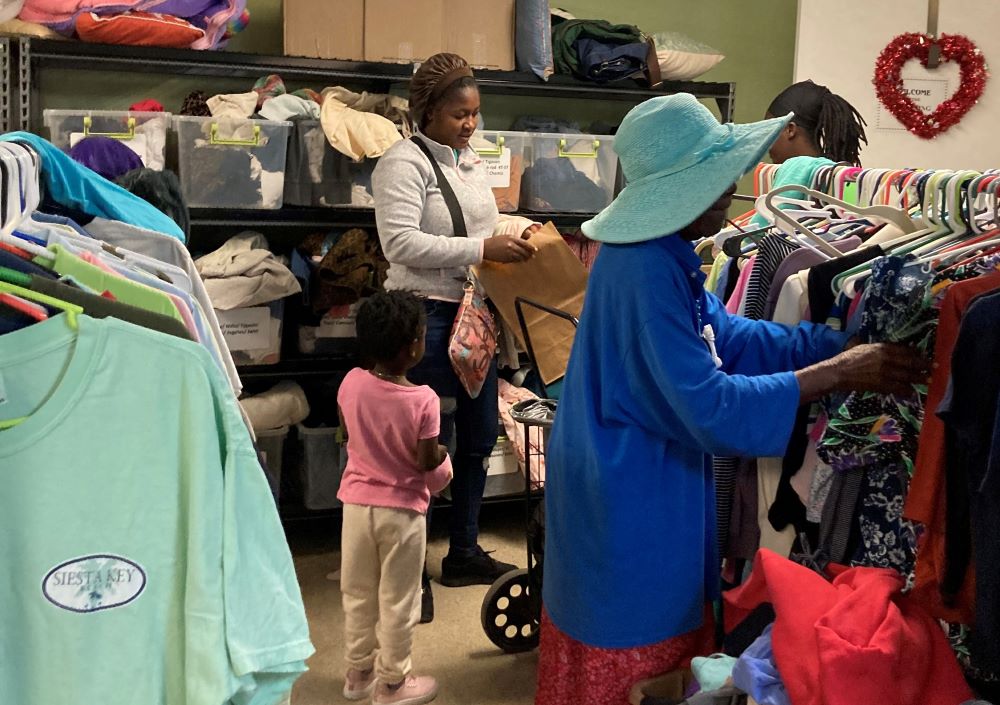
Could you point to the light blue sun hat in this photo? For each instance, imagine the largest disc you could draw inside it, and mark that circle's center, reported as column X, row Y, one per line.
column 677, row 160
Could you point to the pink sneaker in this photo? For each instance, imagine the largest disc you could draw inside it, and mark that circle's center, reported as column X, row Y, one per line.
column 359, row 685
column 415, row 690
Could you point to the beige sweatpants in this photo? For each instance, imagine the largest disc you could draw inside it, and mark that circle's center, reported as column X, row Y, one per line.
column 382, row 559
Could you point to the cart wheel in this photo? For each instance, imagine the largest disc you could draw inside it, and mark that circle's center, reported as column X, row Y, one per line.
column 510, row 616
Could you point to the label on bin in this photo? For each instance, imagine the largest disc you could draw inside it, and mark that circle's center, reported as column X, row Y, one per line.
column 343, row 327
column 503, row 459
column 246, row 328
column 498, row 170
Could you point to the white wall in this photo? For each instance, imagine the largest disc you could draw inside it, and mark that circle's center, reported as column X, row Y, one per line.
column 837, row 45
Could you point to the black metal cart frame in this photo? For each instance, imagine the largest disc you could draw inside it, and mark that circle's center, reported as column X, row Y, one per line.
column 512, row 609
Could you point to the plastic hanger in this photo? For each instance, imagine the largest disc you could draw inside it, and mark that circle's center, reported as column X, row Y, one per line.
column 884, row 213
column 940, row 199
column 14, row 207
column 72, row 310
column 844, row 283
column 950, row 219
column 925, row 184
column 23, row 306
column 793, row 228
column 12, row 276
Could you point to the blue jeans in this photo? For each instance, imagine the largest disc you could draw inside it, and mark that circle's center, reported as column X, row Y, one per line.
column 476, row 422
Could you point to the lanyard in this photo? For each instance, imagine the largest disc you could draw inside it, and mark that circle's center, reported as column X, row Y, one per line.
column 708, row 335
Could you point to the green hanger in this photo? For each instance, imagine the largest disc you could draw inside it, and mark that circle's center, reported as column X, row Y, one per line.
column 12, row 276
column 72, row 311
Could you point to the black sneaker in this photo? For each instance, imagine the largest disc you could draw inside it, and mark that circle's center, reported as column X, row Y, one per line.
column 479, row 569
column 426, row 600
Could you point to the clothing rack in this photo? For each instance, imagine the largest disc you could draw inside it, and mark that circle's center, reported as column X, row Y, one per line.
column 117, row 402
column 911, row 248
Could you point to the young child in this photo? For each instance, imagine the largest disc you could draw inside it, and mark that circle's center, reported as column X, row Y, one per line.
column 394, row 464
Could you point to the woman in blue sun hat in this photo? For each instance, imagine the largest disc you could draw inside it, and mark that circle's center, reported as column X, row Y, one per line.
column 661, row 378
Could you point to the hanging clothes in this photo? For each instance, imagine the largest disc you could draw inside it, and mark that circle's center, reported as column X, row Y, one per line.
column 925, row 502
column 183, row 468
column 73, row 185
column 972, row 437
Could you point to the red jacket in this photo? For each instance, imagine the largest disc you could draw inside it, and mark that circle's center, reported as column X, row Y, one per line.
column 855, row 641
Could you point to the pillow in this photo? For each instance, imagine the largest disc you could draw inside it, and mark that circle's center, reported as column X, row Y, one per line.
column 138, row 29
column 9, row 9
column 533, row 38
column 682, row 58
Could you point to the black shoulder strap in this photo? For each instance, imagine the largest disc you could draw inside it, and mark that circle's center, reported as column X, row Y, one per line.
column 450, row 199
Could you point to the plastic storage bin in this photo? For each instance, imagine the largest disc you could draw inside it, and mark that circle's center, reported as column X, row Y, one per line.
column 322, row 459
column 569, row 173
column 318, row 175
column 227, row 163
column 333, row 335
column 271, row 444
column 144, row 133
column 253, row 334
column 503, row 158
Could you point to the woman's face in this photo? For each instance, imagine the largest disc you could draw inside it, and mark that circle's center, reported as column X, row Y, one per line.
column 710, row 222
column 455, row 119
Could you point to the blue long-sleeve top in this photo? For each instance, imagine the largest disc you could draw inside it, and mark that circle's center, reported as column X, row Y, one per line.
column 631, row 551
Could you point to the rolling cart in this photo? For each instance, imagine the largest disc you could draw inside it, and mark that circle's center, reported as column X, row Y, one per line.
column 512, row 609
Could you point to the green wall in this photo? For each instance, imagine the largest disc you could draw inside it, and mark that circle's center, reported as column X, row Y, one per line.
column 758, row 38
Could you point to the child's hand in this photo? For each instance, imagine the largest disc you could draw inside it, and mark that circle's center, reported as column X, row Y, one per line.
column 451, row 476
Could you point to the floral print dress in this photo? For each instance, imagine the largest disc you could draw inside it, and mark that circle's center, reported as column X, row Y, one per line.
column 879, row 432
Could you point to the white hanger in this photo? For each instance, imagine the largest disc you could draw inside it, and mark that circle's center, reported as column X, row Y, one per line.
column 767, row 207
column 955, row 229
column 11, row 193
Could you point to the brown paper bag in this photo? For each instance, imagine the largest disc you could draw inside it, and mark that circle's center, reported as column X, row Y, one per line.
column 554, row 277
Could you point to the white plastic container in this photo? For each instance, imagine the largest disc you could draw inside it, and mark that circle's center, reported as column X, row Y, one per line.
column 228, row 163
column 318, row 175
column 144, row 133
column 322, row 459
column 503, row 158
column 569, row 173
column 253, row 334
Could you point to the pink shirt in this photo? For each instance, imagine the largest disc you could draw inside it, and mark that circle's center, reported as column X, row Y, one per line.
column 733, row 305
column 384, row 423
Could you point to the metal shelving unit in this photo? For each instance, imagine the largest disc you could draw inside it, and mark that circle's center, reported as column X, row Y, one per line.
column 25, row 56
column 22, row 59
column 212, row 226
column 298, row 367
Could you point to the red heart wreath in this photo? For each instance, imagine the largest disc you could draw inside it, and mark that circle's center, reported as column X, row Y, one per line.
column 889, row 82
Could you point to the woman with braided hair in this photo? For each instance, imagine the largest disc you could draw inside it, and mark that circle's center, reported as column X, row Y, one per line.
column 430, row 245
column 824, row 125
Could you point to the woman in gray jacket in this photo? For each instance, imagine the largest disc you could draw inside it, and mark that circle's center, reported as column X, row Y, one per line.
column 426, row 258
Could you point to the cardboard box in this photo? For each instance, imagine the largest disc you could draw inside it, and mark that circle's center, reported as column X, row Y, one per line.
column 405, row 31
column 325, row 29
column 482, row 31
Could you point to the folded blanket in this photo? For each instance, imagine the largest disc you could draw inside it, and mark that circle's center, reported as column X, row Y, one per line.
column 218, row 18
column 284, row 404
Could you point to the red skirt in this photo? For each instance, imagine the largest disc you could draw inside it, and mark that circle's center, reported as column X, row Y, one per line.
column 572, row 673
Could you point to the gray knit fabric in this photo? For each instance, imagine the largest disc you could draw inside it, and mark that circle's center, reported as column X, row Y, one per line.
column 414, row 223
